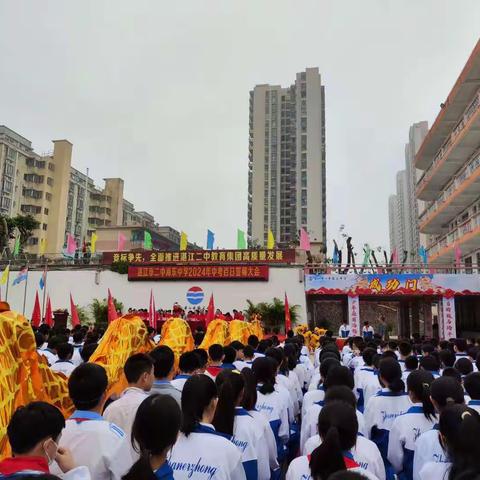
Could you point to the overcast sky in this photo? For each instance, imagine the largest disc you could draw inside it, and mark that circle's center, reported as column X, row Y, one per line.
column 156, row 92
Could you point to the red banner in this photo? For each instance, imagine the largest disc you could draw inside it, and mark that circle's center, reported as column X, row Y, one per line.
column 201, row 256
column 210, row 272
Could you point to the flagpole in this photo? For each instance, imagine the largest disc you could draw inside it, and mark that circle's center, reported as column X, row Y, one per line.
column 25, row 293
column 8, row 281
column 44, row 289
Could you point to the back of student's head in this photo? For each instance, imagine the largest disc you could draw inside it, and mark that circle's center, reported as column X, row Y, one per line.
column 346, row 475
column 202, row 356
column 368, row 355
column 445, row 391
column 39, row 339
column 275, row 353
column 326, row 365
column 264, row 369
column 237, row 345
column 390, row 374
column 339, row 376
column 163, row 361
column 137, row 365
column 87, row 351
column 459, row 429
column 215, row 352
column 452, row 372
column 405, row 349
column 198, row 393
column 427, row 348
column 418, row 386
column 189, row 362
column 248, row 352
column 464, row 366
column 249, row 399
column 263, row 345
column 338, row 428
column 230, row 387
column 447, row 358
column 430, row 364
column 154, row 432
column 34, row 423
column 230, row 354
column 472, row 385
column 325, row 354
column 253, row 341
column 460, row 344
column 411, row 362
column 341, row 393
column 392, row 345
column 87, row 386
column 64, row 351
column 78, row 336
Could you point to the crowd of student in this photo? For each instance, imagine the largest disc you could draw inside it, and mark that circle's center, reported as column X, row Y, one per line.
column 369, row 409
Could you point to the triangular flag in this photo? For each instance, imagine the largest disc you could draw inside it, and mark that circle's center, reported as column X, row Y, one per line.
column 36, row 314
column 71, row 244
column 241, row 243
column 336, row 255
column 183, row 241
column 93, row 242
column 422, row 252
column 270, row 240
column 210, row 312
column 5, row 275
column 210, row 239
column 122, row 239
column 43, row 246
column 304, row 240
column 112, row 311
column 366, row 257
column 48, row 313
column 16, row 248
column 147, row 241
column 288, row 322
column 43, row 279
column 151, row 311
column 73, row 312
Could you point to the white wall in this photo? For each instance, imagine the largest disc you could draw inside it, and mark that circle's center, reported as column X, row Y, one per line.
column 82, row 285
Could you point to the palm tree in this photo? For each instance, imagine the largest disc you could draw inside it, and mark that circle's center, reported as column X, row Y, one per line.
column 273, row 313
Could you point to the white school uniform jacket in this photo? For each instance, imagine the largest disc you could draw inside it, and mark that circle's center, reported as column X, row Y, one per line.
column 366, row 385
column 63, row 366
column 179, row 381
column 475, row 404
column 380, row 413
column 314, row 381
column 436, row 471
column 241, row 364
column 344, row 331
column 299, row 469
column 403, row 435
column 311, row 397
column 427, row 449
column 296, row 383
column 77, row 358
column 287, row 400
column 50, row 356
column 316, row 357
column 96, row 443
column 205, row 455
column 288, row 384
column 301, row 372
column 365, row 453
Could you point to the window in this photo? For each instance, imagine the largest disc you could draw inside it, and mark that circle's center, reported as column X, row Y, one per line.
column 304, row 142
column 30, row 162
column 50, row 181
column 303, row 124
column 45, row 211
column 48, row 196
column 5, row 203
column 44, row 226
column 40, row 164
column 32, row 241
column 51, row 167
column 7, row 186
column 9, row 169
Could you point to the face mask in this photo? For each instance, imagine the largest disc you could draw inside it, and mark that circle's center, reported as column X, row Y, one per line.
column 50, row 459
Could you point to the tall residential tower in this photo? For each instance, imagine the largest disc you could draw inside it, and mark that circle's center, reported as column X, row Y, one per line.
column 286, row 177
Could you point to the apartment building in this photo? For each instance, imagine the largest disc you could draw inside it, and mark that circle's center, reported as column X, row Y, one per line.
column 449, row 186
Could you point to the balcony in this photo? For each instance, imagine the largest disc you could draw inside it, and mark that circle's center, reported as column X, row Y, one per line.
column 460, row 192
column 459, row 145
column 465, row 235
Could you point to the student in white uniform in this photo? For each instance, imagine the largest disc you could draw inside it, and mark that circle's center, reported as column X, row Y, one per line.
column 411, row 364
column 138, row 371
column 431, row 364
column 201, row 452
column 64, row 363
column 50, row 351
column 78, row 341
column 344, row 330
column 155, row 431
column 94, row 442
column 405, row 351
column 459, row 428
column 383, row 408
column 329, row 351
column 444, row 391
column 366, row 379
column 338, row 429
column 33, row 433
column 365, row 452
column 248, row 357
column 317, row 395
column 367, row 331
column 471, row 383
column 420, row 417
column 164, row 371
column 271, row 403
column 188, row 364
column 233, row 420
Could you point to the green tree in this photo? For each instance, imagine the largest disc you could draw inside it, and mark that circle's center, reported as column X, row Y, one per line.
column 272, row 313
column 83, row 315
column 99, row 309
column 25, row 224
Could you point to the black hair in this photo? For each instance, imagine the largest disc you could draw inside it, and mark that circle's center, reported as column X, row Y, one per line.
column 389, row 354
column 405, row 349
column 230, row 354
column 237, row 345
column 329, row 353
column 189, row 362
column 327, row 365
column 39, row 339
column 341, row 393
column 368, row 354
column 427, row 348
column 163, row 361
column 390, row 372
column 430, row 363
column 411, row 362
column 265, row 369
column 445, row 391
column 339, row 375
column 198, row 392
column 472, row 385
column 202, row 357
column 86, row 385
column 136, row 365
column 33, row 423
column 464, row 366
column 392, row 345
column 447, row 358
column 461, row 344
column 460, row 427
column 215, row 352
column 453, row 373
column 249, row 399
column 338, row 429
column 230, row 386
column 248, row 351
column 262, row 346
column 87, row 351
column 418, row 383
column 77, row 337
column 253, row 341
column 44, row 329
column 346, row 475
column 155, row 429
column 445, row 345
column 64, row 351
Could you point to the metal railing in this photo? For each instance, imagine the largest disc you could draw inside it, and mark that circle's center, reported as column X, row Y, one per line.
column 383, row 268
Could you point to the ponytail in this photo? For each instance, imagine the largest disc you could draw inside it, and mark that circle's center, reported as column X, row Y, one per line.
column 230, row 386
column 249, row 399
column 327, row 458
column 418, row 384
column 141, row 469
column 264, row 369
column 390, row 372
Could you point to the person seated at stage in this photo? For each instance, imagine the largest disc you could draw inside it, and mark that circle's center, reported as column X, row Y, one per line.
column 367, row 331
column 64, row 363
column 189, row 365
column 344, row 330
column 238, row 315
column 202, row 359
column 228, row 317
column 93, row 441
column 216, row 354
column 229, row 356
column 248, row 357
column 164, row 372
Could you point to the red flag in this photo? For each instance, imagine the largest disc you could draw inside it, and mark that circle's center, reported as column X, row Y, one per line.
column 458, row 256
column 210, row 311
column 74, row 313
column 288, row 322
column 151, row 311
column 36, row 314
column 112, row 311
column 48, row 313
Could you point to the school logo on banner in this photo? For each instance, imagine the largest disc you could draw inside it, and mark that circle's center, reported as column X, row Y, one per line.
column 195, row 295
